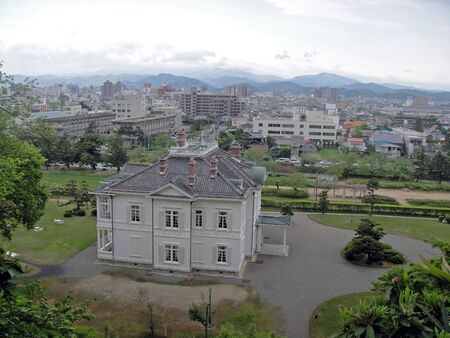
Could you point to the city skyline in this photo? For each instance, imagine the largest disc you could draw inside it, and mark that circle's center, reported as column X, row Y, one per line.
column 371, row 40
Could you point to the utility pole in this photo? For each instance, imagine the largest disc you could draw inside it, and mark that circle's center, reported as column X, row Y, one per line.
column 208, row 323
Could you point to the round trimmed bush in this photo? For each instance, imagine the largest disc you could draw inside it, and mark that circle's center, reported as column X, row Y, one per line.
column 380, row 199
column 79, row 212
column 94, row 212
column 393, row 256
column 68, row 213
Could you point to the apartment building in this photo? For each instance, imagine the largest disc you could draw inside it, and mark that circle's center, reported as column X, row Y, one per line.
column 313, row 125
column 199, row 105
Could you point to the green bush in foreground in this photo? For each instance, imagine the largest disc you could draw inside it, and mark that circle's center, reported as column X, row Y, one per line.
column 415, row 303
column 429, row 202
column 380, row 199
column 68, row 213
column 366, row 248
column 288, row 193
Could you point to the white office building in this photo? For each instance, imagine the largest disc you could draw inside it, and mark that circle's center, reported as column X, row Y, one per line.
column 313, row 125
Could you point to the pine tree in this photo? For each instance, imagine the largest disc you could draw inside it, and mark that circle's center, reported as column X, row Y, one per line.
column 324, row 202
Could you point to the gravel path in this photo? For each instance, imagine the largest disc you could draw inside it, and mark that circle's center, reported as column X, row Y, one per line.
column 315, row 272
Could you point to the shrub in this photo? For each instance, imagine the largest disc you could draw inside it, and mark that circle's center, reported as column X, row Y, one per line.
column 429, row 203
column 380, row 199
column 393, row 256
column 68, row 213
column 79, row 212
column 288, row 193
column 442, row 218
column 94, row 212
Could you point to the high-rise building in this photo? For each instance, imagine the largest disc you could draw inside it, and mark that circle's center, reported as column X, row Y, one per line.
column 129, row 105
column 198, row 104
column 107, row 89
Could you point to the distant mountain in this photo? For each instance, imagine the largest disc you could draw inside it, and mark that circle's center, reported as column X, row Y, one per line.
column 175, row 81
column 300, row 84
column 322, row 80
column 373, row 87
column 230, row 80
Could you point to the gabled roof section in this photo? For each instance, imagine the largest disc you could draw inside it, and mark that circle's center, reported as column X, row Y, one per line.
column 173, row 189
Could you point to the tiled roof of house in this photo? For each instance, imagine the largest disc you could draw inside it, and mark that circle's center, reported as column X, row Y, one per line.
column 232, row 179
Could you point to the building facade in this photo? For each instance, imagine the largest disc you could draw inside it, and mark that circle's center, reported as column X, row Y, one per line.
column 129, row 106
column 197, row 105
column 312, row 125
column 193, row 212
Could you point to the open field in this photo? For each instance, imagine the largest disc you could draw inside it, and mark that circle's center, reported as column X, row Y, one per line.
column 56, row 242
column 61, row 177
column 325, row 319
column 118, row 300
column 419, row 228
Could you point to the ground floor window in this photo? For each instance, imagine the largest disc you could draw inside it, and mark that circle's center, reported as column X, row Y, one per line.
column 171, row 253
column 221, row 254
column 105, row 240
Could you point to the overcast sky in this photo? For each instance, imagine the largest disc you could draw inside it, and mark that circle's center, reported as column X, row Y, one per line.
column 399, row 41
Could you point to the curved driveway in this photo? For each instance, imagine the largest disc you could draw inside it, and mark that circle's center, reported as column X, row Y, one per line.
column 315, row 272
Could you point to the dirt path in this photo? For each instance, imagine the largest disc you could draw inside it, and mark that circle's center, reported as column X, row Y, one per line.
column 126, row 290
column 400, row 195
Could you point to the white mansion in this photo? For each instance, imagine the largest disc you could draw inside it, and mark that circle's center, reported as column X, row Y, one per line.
column 195, row 211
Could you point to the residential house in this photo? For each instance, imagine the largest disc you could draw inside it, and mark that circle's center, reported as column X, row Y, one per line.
column 387, row 143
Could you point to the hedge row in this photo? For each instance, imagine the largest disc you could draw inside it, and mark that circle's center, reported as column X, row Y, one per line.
column 429, row 203
column 424, row 186
column 342, row 207
column 380, row 199
column 288, row 193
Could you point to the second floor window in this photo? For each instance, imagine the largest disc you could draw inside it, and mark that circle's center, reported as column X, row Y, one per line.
column 223, row 220
column 171, row 219
column 135, row 213
column 198, row 218
column 105, row 207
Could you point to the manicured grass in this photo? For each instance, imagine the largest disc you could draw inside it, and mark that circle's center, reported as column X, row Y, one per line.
column 55, row 243
column 325, row 319
column 423, row 229
column 330, row 154
column 61, row 177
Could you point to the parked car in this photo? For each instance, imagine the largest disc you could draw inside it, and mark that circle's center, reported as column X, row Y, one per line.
column 283, row 159
column 294, row 161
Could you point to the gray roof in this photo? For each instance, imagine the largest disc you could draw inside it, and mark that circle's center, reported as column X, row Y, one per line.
column 284, row 220
column 387, row 136
column 232, row 179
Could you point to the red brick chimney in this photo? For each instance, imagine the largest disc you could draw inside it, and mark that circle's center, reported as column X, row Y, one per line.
column 235, row 150
column 162, row 165
column 191, row 177
column 213, row 169
column 181, row 137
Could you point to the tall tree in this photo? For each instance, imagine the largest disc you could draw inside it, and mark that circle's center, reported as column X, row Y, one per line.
column 324, row 202
column 10, row 268
column 88, row 149
column 117, row 154
column 420, row 162
column 372, row 185
column 439, row 166
column 43, row 136
column 65, row 152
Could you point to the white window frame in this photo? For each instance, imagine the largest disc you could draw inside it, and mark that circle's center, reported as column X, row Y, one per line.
column 199, row 219
column 105, row 240
column 172, row 219
column 171, row 253
column 222, row 220
column 135, row 213
column 221, row 257
column 104, row 203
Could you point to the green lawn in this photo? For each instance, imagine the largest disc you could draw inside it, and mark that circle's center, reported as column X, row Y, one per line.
column 325, row 320
column 330, row 154
column 61, row 177
column 423, row 229
column 55, row 243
